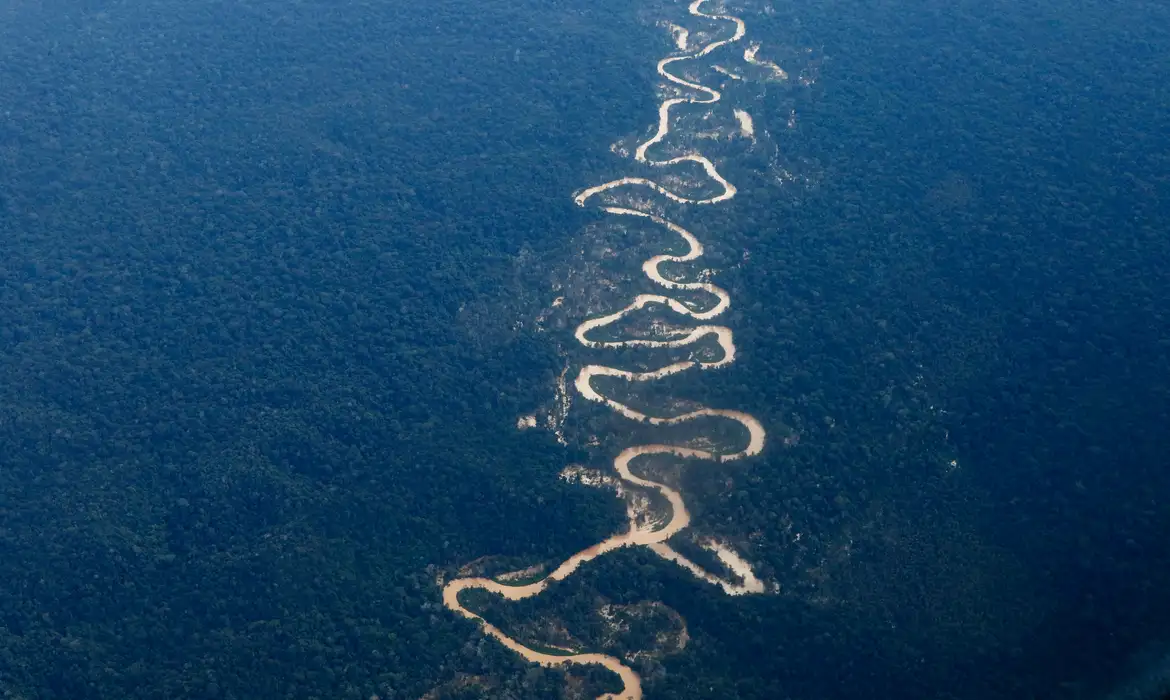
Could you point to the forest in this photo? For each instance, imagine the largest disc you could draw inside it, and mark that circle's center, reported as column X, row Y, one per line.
column 267, row 315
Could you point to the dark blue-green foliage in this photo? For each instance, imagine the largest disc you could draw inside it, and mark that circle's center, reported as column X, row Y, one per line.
column 252, row 403
column 241, row 416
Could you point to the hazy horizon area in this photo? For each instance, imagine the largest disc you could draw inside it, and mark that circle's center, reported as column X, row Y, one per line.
column 287, row 312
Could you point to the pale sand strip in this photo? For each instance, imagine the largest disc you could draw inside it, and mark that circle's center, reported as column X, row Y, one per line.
column 729, row 74
column 730, row 559
column 749, row 55
column 746, row 126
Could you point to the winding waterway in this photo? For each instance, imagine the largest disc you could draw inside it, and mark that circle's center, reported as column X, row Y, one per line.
column 653, row 537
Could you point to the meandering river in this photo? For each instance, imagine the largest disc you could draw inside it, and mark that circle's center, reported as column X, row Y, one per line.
column 654, row 537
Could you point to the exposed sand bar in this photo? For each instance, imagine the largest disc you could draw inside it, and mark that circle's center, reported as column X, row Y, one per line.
column 746, row 126
column 749, row 55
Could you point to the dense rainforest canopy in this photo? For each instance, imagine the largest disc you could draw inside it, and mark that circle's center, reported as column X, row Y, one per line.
column 266, row 325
